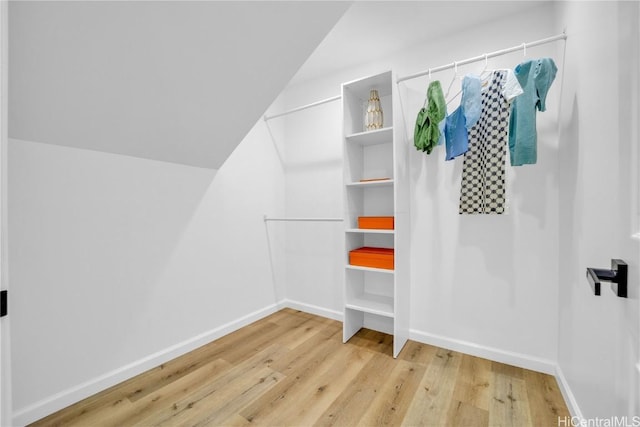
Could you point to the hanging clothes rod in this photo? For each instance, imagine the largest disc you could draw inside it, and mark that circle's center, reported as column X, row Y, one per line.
column 484, row 56
column 266, row 218
column 304, row 107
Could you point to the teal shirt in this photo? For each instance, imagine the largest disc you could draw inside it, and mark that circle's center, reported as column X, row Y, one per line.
column 535, row 77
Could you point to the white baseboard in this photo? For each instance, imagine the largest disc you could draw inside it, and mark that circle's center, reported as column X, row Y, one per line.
column 75, row 394
column 567, row 394
column 511, row 358
column 498, row 355
column 516, row 359
column 313, row 309
column 68, row 397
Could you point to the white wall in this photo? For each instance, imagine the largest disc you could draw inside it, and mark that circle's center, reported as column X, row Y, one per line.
column 120, row 263
column 599, row 337
column 482, row 284
column 313, row 185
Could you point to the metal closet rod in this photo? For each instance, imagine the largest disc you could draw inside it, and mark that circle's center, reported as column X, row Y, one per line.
column 266, row 218
column 304, row 107
column 484, row 56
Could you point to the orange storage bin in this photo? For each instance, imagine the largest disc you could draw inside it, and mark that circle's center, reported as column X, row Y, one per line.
column 372, row 257
column 377, row 222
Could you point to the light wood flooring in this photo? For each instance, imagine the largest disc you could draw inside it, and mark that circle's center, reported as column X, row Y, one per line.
column 291, row 368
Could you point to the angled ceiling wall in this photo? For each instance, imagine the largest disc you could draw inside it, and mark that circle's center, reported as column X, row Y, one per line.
column 174, row 81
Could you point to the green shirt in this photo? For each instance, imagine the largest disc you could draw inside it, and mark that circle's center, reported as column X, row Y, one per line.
column 427, row 132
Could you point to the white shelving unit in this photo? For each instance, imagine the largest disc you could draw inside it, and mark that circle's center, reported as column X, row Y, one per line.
column 375, row 184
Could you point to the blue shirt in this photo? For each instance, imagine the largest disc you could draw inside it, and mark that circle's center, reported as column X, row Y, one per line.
column 463, row 118
column 457, row 137
column 535, row 77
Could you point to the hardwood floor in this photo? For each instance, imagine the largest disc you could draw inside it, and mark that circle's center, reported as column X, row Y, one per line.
column 291, row 368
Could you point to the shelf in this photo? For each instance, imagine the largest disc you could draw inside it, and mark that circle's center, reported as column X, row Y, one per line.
column 375, row 270
column 369, row 230
column 374, row 304
column 372, row 137
column 360, row 88
column 370, row 184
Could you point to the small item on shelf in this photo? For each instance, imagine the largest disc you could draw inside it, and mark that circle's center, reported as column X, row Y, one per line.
column 373, row 116
column 374, row 179
column 376, row 222
column 372, row 257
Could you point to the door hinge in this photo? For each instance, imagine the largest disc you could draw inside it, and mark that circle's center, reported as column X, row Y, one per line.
column 3, row 303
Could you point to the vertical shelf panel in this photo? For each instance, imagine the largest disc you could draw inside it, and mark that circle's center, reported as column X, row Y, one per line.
column 353, row 322
column 402, row 289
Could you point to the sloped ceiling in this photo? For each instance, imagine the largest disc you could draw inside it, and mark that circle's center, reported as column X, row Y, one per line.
column 175, row 81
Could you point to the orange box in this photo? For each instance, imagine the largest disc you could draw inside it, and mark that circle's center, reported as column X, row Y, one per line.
column 377, row 222
column 372, row 257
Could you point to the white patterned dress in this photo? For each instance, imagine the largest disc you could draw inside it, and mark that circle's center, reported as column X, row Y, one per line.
column 483, row 171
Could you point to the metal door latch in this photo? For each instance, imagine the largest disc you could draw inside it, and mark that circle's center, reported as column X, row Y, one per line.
column 3, row 303
column 617, row 276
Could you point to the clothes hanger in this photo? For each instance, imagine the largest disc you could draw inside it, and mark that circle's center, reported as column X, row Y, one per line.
column 484, row 75
column 485, row 72
column 426, row 98
column 455, row 76
column 454, row 97
column 455, row 65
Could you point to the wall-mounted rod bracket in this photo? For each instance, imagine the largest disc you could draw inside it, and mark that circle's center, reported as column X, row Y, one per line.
column 617, row 276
